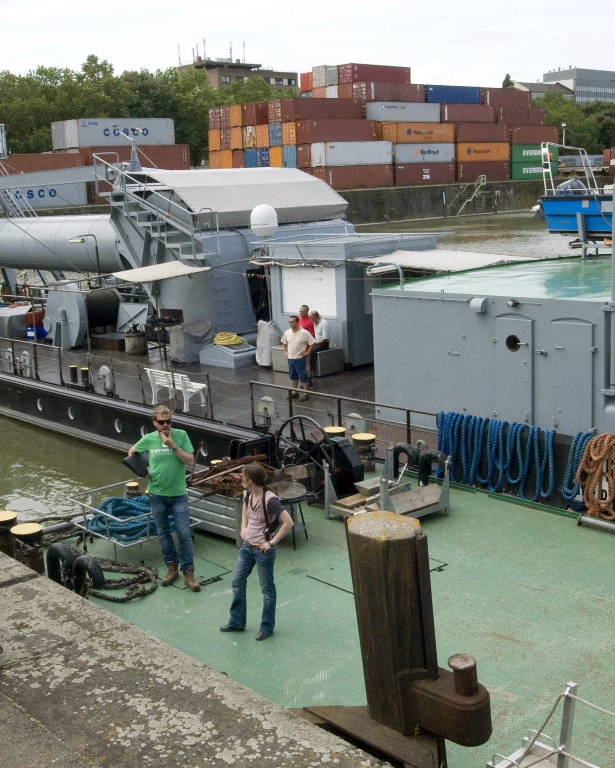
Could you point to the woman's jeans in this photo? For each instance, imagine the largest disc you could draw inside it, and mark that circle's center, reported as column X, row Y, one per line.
column 248, row 557
column 177, row 507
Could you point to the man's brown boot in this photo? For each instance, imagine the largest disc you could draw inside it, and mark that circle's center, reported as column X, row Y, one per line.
column 171, row 575
column 190, row 581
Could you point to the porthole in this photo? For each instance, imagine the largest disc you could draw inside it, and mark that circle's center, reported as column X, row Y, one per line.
column 143, row 431
column 513, row 343
column 71, row 413
column 118, row 425
column 39, row 404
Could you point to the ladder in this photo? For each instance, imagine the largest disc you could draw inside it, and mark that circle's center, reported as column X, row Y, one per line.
column 465, row 195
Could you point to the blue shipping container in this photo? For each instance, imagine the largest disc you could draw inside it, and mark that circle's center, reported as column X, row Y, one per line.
column 289, row 157
column 452, row 94
column 249, row 158
column 262, row 157
column 275, row 134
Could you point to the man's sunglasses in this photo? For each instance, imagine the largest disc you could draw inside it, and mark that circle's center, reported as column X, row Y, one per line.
column 163, row 421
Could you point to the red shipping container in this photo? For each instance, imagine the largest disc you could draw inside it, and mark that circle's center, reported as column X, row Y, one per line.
column 225, row 116
column 372, row 91
column 378, row 73
column 310, row 131
column 214, row 118
column 304, row 156
column 309, row 109
column 170, row 157
column 481, row 132
column 467, row 113
column 305, row 81
column 225, row 139
column 608, row 157
column 496, row 170
column 413, row 174
column 319, row 93
column 505, row 97
column 520, row 116
column 238, row 158
column 256, row 113
column 533, row 134
column 356, row 176
column 274, row 111
column 345, row 91
column 46, row 161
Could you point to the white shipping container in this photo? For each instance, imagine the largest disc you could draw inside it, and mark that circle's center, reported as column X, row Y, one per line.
column 319, row 76
column 331, row 76
column 425, row 153
column 402, row 112
column 52, row 196
column 336, row 153
column 107, row 132
column 331, row 92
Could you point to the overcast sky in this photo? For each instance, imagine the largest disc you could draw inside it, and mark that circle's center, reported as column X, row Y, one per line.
column 475, row 42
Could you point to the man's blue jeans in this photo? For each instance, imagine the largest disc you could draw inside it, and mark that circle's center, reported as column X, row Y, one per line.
column 177, row 506
column 249, row 557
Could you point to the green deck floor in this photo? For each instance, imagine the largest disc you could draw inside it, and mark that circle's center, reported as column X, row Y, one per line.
column 527, row 592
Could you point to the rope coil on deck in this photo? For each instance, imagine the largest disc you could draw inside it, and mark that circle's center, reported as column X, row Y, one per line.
column 596, row 466
column 128, row 528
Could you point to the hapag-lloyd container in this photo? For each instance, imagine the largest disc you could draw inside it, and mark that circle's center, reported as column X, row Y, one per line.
column 256, row 113
column 533, row 134
column 529, row 170
column 452, row 94
column 498, row 170
column 374, row 91
column 467, row 113
column 316, row 109
column 416, row 133
column 520, row 115
column 424, row 153
column 528, row 153
column 312, row 131
column 106, row 132
column 424, row 173
column 352, row 153
column 356, row 176
column 378, row 73
column 289, row 157
column 482, row 152
column 289, row 134
column 505, row 97
column 324, row 75
column 402, row 112
column 481, row 132
column 305, row 81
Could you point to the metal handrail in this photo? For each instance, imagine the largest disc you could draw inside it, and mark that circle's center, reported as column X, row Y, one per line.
column 21, row 209
column 547, row 173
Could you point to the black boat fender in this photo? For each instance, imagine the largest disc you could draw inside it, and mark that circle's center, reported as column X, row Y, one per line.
column 60, row 559
column 84, row 568
column 411, row 454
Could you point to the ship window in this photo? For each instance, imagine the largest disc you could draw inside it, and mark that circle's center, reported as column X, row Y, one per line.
column 39, row 404
column 513, row 343
column 71, row 413
column 118, row 426
column 143, row 431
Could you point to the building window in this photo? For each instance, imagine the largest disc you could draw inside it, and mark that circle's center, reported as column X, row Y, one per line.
column 225, row 79
column 278, row 81
column 292, row 81
column 272, row 81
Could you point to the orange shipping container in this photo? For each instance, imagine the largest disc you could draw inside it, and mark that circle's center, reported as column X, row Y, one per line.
column 237, row 138
column 214, row 140
column 214, row 160
column 262, row 136
column 238, row 158
column 249, row 137
column 417, row 133
column 467, row 153
column 276, row 157
column 236, row 115
column 289, row 134
column 226, row 159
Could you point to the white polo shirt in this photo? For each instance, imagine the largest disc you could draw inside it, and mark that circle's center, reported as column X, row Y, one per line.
column 322, row 330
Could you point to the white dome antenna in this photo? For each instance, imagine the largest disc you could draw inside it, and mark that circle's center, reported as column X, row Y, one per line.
column 263, row 221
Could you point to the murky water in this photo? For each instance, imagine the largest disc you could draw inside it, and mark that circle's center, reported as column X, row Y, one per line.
column 41, row 469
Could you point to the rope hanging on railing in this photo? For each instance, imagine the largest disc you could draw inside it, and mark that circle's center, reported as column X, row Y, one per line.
column 129, row 529
column 497, row 448
column 570, row 485
column 597, row 466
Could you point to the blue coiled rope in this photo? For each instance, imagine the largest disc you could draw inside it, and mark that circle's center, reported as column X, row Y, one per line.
column 570, row 487
column 129, row 529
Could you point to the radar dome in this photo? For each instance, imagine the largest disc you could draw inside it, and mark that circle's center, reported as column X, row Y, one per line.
column 263, row 221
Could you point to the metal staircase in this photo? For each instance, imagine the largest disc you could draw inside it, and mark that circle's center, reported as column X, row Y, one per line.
column 465, row 195
column 15, row 208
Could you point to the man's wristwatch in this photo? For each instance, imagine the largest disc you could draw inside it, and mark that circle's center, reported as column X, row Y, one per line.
column 174, row 448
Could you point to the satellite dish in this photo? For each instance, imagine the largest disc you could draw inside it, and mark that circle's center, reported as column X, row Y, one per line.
column 263, row 221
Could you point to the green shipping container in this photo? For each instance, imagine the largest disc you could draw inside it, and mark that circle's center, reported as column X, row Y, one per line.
column 524, row 153
column 529, row 170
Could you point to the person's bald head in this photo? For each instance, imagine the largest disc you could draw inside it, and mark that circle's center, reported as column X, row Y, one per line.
column 315, row 316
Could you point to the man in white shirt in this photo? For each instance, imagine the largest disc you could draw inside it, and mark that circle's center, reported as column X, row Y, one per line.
column 297, row 343
column 322, row 332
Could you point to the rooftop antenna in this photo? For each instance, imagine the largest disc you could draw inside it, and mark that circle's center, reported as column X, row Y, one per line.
column 179, row 56
column 197, row 51
column 193, row 55
column 244, row 52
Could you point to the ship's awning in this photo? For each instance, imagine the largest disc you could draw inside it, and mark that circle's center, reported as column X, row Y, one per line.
column 164, row 271
column 440, row 260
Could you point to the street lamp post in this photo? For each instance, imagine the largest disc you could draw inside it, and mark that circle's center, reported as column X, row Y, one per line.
column 81, row 239
column 563, row 133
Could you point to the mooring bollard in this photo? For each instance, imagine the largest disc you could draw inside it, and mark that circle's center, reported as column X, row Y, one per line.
column 8, row 519
column 132, row 490
column 28, row 545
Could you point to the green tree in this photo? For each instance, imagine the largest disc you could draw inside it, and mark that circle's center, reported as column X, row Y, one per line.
column 581, row 130
column 194, row 96
column 602, row 113
column 507, row 82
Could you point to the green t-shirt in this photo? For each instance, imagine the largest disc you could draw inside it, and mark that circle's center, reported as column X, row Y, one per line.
column 167, row 473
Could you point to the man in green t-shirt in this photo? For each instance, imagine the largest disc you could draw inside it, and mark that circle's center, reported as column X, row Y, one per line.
column 170, row 452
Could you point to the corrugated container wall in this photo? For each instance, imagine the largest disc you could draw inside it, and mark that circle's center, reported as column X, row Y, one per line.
column 274, row 111
column 377, row 73
column 319, row 93
column 305, row 81
column 249, row 158
column 505, row 97
column 498, row 170
column 236, row 138
column 262, row 157
column 319, row 76
column 262, row 136
column 289, row 134
column 373, row 91
column 533, row 134
column 344, row 91
column 213, row 140
column 306, row 109
column 520, row 115
column 52, row 195
column 482, row 152
column 310, row 131
column 332, row 92
column 529, row 170
column 331, row 75
column 289, row 157
column 236, row 115
column 276, row 157
column 524, row 153
column 256, row 113
column 226, row 159
column 225, row 138
column 481, row 132
column 214, row 160
column 275, row 134
column 467, row 113
column 352, row 153
column 304, row 156
column 106, row 131
column 356, row 176
column 214, row 118
column 46, row 162
column 173, row 157
column 225, row 116
column 424, row 153
column 399, row 111
column 452, row 94
column 424, row 173
column 238, row 158
column 249, row 137
column 417, row 133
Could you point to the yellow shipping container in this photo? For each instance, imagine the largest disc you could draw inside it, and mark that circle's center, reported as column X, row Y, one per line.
column 236, row 115
column 214, row 160
column 468, row 153
column 237, row 138
column 289, row 134
column 226, row 158
column 276, row 157
column 214, row 140
column 416, row 133
column 249, row 137
column 262, row 136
